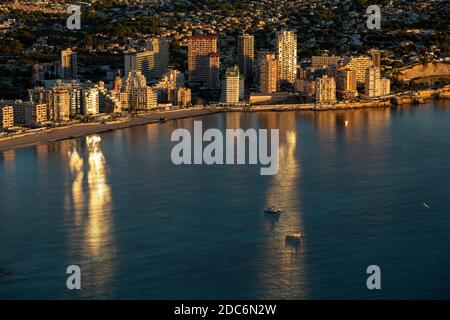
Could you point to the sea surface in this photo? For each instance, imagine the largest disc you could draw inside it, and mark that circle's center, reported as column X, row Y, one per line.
column 355, row 182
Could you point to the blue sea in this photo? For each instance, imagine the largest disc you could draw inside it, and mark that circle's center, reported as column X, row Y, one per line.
column 139, row 227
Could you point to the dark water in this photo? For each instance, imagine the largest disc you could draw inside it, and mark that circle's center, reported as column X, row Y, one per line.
column 140, row 227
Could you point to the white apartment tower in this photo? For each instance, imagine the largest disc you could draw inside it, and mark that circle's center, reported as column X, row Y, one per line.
column 286, row 42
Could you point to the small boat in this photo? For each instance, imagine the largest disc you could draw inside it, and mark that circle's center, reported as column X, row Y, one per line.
column 426, row 205
column 295, row 236
column 273, row 210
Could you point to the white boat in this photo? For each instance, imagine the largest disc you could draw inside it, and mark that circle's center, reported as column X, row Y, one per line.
column 273, row 210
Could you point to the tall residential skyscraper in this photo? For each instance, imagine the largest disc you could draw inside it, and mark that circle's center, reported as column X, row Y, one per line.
column 246, row 53
column 160, row 48
column 326, row 89
column 376, row 58
column 200, row 60
column 346, row 83
column 68, row 64
column 372, row 87
column 90, row 102
column 58, row 107
column 286, row 43
column 142, row 61
column 231, row 90
column 214, row 71
column 268, row 73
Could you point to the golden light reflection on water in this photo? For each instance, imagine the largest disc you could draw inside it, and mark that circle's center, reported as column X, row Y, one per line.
column 281, row 260
column 90, row 204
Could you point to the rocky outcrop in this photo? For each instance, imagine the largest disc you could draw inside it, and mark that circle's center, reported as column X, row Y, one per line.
column 427, row 70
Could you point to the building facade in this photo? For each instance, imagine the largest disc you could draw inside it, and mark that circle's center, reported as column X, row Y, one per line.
column 246, row 54
column 268, row 73
column 326, row 90
column 286, row 44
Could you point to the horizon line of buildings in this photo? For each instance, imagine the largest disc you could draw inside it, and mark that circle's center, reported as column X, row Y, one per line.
column 262, row 77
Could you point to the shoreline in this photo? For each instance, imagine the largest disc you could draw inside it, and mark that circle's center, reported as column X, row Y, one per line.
column 81, row 130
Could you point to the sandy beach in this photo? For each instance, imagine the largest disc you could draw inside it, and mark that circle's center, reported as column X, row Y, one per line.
column 79, row 130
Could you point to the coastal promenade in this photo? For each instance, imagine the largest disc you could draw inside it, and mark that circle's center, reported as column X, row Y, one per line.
column 79, row 130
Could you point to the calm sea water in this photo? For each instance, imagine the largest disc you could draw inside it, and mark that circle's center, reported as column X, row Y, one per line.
column 140, row 227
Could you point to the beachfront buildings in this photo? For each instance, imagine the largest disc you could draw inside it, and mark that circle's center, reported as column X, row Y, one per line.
column 143, row 61
column 90, row 101
column 137, row 95
column 360, row 65
column 346, row 83
column 326, row 90
column 68, row 64
column 232, row 86
column 166, row 88
column 246, row 55
column 160, row 48
column 6, row 117
column 26, row 113
column 203, row 61
column 385, row 87
column 152, row 62
column 286, row 46
column 182, row 97
column 268, row 73
column 58, row 104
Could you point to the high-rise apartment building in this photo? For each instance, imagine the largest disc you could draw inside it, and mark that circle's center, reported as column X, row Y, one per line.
column 26, row 113
column 286, row 45
column 246, row 53
column 214, row 71
column 372, row 86
column 143, row 61
column 326, row 89
column 202, row 57
column 385, row 87
column 160, row 48
column 137, row 95
column 68, row 64
column 58, row 107
column 346, row 83
column 360, row 65
column 231, row 90
column 90, row 102
column 268, row 73
column 183, row 97
column 6, row 117
column 376, row 58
